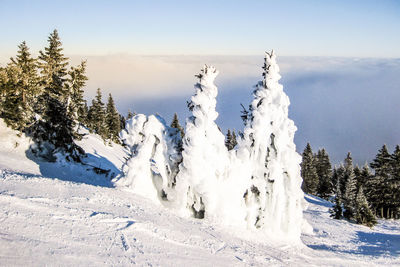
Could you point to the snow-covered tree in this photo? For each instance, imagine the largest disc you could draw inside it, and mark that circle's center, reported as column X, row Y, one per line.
column 350, row 192
column 175, row 124
column 155, row 155
column 203, row 170
column 274, row 198
column 337, row 210
column 230, row 141
column 363, row 213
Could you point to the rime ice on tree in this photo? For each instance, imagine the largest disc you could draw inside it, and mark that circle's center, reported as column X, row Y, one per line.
column 205, row 157
column 151, row 170
column 274, row 198
column 256, row 185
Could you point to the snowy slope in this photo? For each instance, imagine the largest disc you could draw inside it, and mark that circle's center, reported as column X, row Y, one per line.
column 73, row 217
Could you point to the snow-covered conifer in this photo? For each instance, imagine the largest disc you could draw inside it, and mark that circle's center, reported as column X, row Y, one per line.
column 274, row 197
column 337, row 210
column 363, row 213
column 151, row 171
column 203, row 170
column 175, row 124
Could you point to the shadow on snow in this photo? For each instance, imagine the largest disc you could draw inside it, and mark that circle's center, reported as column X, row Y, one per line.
column 95, row 170
column 369, row 244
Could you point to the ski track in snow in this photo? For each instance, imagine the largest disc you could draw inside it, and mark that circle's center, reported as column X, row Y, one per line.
column 49, row 221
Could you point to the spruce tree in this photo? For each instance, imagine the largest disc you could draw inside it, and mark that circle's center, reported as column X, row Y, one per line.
column 83, row 113
column 122, row 122
column 380, row 191
column 350, row 196
column 113, row 122
column 228, row 140
column 364, row 177
column 337, row 210
column 234, row 140
column 309, row 171
column 97, row 116
column 175, row 124
column 363, row 214
column 130, row 115
column 21, row 88
column 324, row 171
column 350, row 192
column 395, row 183
column 54, row 131
column 76, row 104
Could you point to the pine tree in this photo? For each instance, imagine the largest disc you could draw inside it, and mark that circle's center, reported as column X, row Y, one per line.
column 175, row 124
column 365, row 176
column 97, row 116
column 324, row 171
column 122, row 122
column 83, row 114
column 21, row 88
column 364, row 214
column 350, row 196
column 309, row 171
column 76, row 104
column 130, row 115
column 53, row 65
column 380, row 192
column 228, row 140
column 395, row 200
column 233, row 140
column 337, row 210
column 113, row 122
column 350, row 190
column 54, row 131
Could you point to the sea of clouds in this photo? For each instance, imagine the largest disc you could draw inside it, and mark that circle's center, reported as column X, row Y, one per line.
column 342, row 104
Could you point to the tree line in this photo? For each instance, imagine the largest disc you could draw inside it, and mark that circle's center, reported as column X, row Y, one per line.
column 44, row 98
column 359, row 194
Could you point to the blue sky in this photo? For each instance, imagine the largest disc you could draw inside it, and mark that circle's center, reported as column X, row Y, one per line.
column 302, row 28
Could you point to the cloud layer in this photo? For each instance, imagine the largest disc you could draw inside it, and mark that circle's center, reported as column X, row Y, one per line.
column 342, row 104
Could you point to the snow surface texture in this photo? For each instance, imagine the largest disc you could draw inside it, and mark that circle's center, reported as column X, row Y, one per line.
column 257, row 186
column 71, row 219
